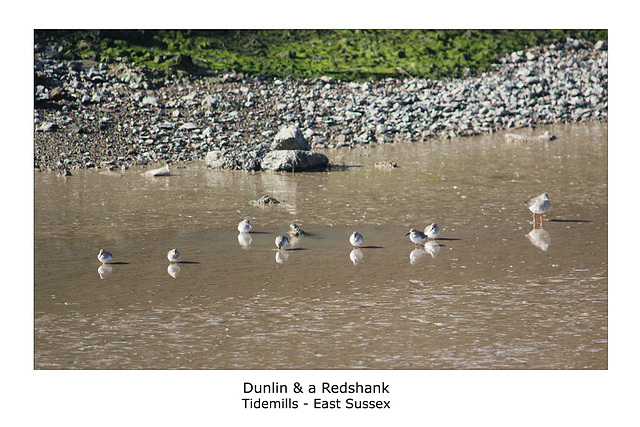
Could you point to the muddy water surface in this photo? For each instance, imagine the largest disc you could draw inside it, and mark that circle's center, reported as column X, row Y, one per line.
column 490, row 293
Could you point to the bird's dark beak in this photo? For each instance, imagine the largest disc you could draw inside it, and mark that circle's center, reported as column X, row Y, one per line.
column 407, row 233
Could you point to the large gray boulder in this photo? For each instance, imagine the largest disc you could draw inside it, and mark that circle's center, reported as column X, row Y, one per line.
column 290, row 138
column 289, row 151
column 293, row 160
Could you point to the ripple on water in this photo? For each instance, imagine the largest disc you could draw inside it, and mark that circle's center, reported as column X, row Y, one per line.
column 488, row 299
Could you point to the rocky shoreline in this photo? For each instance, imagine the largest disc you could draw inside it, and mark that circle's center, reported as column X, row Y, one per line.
column 115, row 115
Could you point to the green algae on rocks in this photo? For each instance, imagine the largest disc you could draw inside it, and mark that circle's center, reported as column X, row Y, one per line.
column 342, row 54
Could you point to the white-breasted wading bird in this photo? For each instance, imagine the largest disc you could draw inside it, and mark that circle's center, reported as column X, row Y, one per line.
column 416, row 236
column 173, row 255
column 432, row 231
column 104, row 256
column 355, row 239
column 539, row 205
column 244, row 226
column 282, row 242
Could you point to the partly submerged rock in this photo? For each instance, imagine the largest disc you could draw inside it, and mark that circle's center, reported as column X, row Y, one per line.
column 293, row 160
column 290, row 138
column 513, row 137
column 264, row 200
column 386, row 165
column 163, row 171
column 233, row 160
column 111, row 173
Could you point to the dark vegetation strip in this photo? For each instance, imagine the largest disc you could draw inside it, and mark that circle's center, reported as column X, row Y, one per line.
column 342, row 54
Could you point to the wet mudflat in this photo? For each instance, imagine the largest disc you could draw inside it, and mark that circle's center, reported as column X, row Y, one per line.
column 490, row 293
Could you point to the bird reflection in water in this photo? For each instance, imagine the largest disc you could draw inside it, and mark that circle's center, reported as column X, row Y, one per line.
column 174, row 270
column 432, row 248
column 417, row 255
column 245, row 239
column 540, row 238
column 282, row 257
column 356, row 256
column 105, row 271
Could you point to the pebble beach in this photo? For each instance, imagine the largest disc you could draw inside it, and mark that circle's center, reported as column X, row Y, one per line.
column 116, row 115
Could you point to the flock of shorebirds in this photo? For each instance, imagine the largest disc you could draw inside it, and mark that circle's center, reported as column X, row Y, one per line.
column 538, row 206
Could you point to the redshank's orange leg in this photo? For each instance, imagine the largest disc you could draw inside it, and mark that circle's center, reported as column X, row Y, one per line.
column 541, row 216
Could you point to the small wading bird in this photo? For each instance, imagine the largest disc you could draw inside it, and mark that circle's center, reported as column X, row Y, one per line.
column 432, row 231
column 295, row 231
column 244, row 226
column 539, row 205
column 282, row 242
column 173, row 255
column 416, row 236
column 355, row 239
column 104, row 256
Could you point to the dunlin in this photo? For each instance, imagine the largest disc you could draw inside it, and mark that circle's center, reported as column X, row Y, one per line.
column 356, row 239
column 416, row 236
column 173, row 255
column 244, row 226
column 104, row 256
column 295, row 231
column 432, row 231
column 282, row 242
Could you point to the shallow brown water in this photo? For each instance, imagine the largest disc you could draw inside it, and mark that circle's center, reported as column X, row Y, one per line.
column 489, row 298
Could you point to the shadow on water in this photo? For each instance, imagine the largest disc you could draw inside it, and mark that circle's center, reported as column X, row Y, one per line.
column 188, row 262
column 341, row 167
column 569, row 220
column 307, row 234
